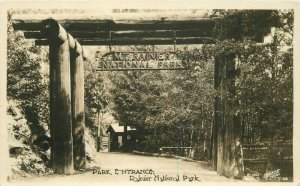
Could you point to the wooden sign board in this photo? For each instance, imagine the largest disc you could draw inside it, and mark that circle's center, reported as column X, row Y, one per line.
column 138, row 60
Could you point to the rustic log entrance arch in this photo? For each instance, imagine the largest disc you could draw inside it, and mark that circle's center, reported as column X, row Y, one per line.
column 67, row 81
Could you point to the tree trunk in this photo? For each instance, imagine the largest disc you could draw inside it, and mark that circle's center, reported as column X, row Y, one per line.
column 228, row 121
column 60, row 107
column 98, row 132
column 78, row 117
column 192, row 150
column 217, row 119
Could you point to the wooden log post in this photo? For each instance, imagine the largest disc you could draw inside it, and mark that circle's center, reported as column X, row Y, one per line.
column 227, row 119
column 220, row 113
column 60, row 98
column 216, row 123
column 77, row 102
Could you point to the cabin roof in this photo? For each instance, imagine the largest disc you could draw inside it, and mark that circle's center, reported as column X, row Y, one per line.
column 119, row 129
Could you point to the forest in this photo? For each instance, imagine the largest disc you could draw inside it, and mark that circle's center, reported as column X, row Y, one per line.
column 168, row 108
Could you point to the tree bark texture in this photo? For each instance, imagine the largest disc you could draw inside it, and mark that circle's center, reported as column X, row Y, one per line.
column 227, row 152
column 78, row 117
column 60, row 107
column 216, row 123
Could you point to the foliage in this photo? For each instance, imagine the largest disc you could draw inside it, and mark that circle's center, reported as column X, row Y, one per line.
column 26, row 81
column 95, row 95
column 266, row 80
column 267, row 87
column 267, row 94
column 251, row 24
column 167, row 108
column 265, row 84
column 96, row 102
column 27, row 88
column 25, row 158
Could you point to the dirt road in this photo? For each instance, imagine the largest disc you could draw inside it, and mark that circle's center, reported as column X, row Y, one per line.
column 120, row 167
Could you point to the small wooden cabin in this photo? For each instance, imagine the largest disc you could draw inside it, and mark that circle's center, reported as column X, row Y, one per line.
column 115, row 135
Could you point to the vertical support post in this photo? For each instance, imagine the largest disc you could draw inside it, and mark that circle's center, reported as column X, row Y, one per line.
column 221, row 115
column 227, row 121
column 60, row 103
column 216, row 123
column 78, row 116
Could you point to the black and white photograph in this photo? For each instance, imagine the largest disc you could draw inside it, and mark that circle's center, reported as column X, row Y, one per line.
column 143, row 94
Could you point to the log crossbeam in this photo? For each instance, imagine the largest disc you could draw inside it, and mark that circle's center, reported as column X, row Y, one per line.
column 147, row 32
column 138, row 41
